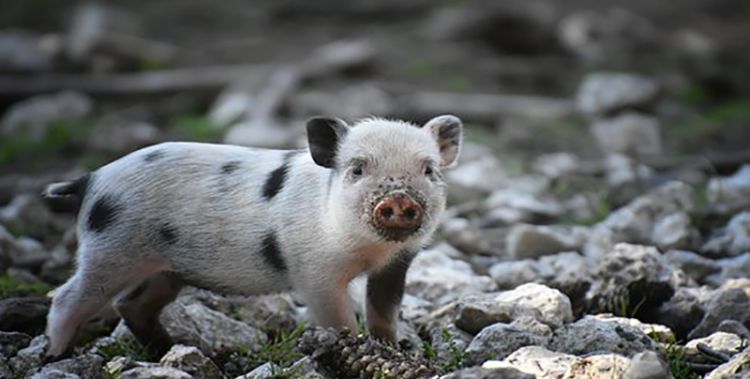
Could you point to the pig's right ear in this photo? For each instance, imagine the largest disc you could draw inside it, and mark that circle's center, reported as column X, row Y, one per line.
column 324, row 135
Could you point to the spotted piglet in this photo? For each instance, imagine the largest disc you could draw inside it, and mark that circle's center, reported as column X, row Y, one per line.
column 361, row 199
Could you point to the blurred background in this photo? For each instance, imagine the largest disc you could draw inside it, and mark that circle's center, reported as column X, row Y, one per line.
column 579, row 116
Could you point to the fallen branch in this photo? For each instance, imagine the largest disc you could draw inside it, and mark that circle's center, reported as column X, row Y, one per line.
column 158, row 81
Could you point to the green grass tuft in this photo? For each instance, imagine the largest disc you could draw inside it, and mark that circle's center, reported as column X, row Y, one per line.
column 10, row 287
column 124, row 347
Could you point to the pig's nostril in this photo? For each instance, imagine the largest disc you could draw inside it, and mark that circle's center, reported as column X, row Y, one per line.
column 410, row 213
column 386, row 212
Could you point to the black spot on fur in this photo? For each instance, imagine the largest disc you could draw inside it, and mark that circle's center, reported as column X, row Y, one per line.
column 385, row 287
column 230, row 167
column 103, row 213
column 275, row 181
column 272, row 253
column 169, row 233
column 153, row 156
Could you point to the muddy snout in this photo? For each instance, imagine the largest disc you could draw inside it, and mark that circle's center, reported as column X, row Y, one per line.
column 398, row 214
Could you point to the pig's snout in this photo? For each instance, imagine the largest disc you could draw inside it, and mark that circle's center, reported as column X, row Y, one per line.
column 398, row 212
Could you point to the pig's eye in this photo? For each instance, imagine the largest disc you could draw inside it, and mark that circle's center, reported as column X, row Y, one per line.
column 357, row 169
column 428, row 170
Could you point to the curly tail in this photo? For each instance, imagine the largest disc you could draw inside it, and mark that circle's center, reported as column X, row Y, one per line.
column 66, row 197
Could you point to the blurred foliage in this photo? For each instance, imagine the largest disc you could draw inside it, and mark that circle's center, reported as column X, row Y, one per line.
column 197, row 127
column 58, row 137
column 281, row 351
column 124, row 347
column 10, row 287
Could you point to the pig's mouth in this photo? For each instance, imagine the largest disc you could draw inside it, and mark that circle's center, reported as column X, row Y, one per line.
column 397, row 215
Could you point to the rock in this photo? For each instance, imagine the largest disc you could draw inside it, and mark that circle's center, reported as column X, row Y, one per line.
column 556, row 165
column 34, row 116
column 622, row 170
column 631, row 276
column 657, row 332
column 497, row 341
column 592, row 335
column 692, row 264
column 28, row 253
column 479, row 175
column 603, row 93
column 120, row 136
column 24, row 52
column 735, row 267
column 530, row 24
column 5, row 371
column 473, row 239
column 211, row 331
column 738, row 367
column 54, row 374
column 264, row 371
column 83, row 366
column 533, row 241
column 647, row 365
column 731, row 193
column 349, row 102
column 512, row 274
column 674, row 231
column 155, row 372
column 190, row 360
column 11, row 342
column 548, row 306
column 734, row 327
column 683, row 312
column 27, row 214
column 628, row 133
column 121, row 364
column 727, row 343
column 24, row 314
column 635, row 222
column 614, row 35
column 733, row 240
column 30, row 357
column 436, row 277
column 271, row 312
column 305, row 368
column 524, row 201
column 536, row 360
column 728, row 304
column 485, row 373
column 603, row 366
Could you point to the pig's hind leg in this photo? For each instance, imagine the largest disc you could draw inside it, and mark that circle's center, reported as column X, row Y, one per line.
column 100, row 276
column 140, row 308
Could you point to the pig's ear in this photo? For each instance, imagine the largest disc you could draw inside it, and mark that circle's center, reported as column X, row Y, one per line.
column 324, row 135
column 447, row 131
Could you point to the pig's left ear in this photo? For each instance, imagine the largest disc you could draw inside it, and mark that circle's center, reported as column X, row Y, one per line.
column 447, row 131
column 324, row 135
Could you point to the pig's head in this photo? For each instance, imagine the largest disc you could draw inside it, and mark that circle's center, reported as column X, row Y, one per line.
column 386, row 181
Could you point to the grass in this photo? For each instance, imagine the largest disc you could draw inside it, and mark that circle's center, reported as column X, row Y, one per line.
column 457, row 355
column 678, row 363
column 197, row 127
column 10, row 287
column 60, row 135
column 124, row 347
column 281, row 351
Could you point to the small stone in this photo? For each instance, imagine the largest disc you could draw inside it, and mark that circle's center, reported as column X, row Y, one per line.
column 190, row 360
column 119, row 136
column 683, row 312
column 727, row 343
column 533, row 241
column 674, row 231
column 11, row 342
column 733, row 240
column 24, row 314
column 692, row 264
column 731, row 193
column 604, row 366
column 30, row 357
column 647, row 365
column 738, row 367
column 25, row 52
column 155, row 372
column 592, row 335
column 83, row 366
column 512, row 274
column 435, row 276
column 267, row 370
column 556, row 165
column 606, row 92
column 34, row 116
column 622, row 170
column 630, row 133
column 487, row 373
column 728, row 304
column 497, row 341
column 535, row 360
column 658, row 332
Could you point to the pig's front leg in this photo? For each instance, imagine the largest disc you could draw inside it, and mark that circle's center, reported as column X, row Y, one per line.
column 329, row 305
column 385, row 288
